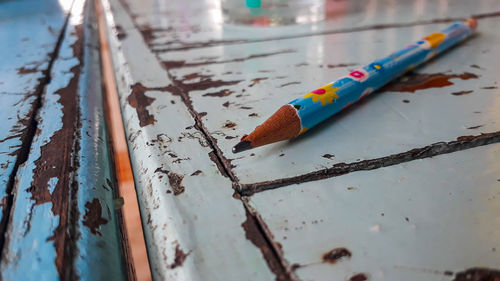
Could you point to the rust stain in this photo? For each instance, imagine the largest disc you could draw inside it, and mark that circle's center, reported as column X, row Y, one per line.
column 175, row 181
column 336, row 255
column 56, row 162
column 359, row 277
column 257, row 81
column 254, row 235
column 478, row 274
column 461, row 93
column 182, row 63
column 221, row 93
column 180, row 257
column 419, row 81
column 93, row 216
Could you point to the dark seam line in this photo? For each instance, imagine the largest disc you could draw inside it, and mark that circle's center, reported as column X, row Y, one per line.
column 462, row 143
column 197, row 45
column 24, row 151
column 221, row 161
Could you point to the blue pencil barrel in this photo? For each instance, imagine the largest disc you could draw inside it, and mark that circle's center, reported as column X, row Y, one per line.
column 326, row 101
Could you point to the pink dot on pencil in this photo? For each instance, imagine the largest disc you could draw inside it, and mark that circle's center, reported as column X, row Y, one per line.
column 319, row 91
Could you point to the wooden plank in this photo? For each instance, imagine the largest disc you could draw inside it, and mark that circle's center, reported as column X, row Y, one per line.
column 30, row 30
column 63, row 225
column 244, row 84
column 194, row 228
column 181, row 25
column 138, row 267
column 423, row 220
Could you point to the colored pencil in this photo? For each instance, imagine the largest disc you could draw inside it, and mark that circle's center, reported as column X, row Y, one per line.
column 303, row 113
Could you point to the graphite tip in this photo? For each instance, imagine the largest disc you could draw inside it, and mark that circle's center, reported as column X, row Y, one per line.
column 242, row 146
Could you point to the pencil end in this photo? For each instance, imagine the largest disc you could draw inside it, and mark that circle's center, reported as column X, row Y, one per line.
column 242, row 146
column 472, row 23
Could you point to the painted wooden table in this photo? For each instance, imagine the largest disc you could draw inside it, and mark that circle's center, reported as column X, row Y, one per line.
column 58, row 218
column 191, row 86
column 403, row 186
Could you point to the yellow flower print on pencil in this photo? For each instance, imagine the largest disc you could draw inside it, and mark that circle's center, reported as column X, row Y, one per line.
column 324, row 94
column 432, row 41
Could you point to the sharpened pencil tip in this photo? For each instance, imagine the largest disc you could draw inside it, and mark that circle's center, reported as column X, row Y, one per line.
column 242, row 146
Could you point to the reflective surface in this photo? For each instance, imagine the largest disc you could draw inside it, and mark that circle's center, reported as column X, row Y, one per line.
column 272, row 12
column 190, row 86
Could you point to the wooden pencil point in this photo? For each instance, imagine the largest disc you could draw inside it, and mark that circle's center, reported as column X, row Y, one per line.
column 284, row 124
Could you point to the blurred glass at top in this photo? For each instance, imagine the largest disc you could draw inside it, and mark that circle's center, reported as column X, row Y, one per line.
column 272, row 12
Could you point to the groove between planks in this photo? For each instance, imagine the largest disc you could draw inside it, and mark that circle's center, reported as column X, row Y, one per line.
column 29, row 135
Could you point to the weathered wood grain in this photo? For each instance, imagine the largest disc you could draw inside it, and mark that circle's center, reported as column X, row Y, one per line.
column 244, row 84
column 423, row 220
column 29, row 35
column 63, row 224
column 181, row 25
column 194, row 228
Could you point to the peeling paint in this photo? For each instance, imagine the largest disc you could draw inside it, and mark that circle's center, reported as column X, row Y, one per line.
column 478, row 274
column 180, row 257
column 138, row 100
column 221, row 93
column 120, row 32
column 461, row 93
column 56, row 162
column 341, row 65
column 175, row 181
column 197, row 172
column 336, row 255
column 25, row 70
column 359, row 277
column 256, row 81
column 288, row 84
column 93, row 216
